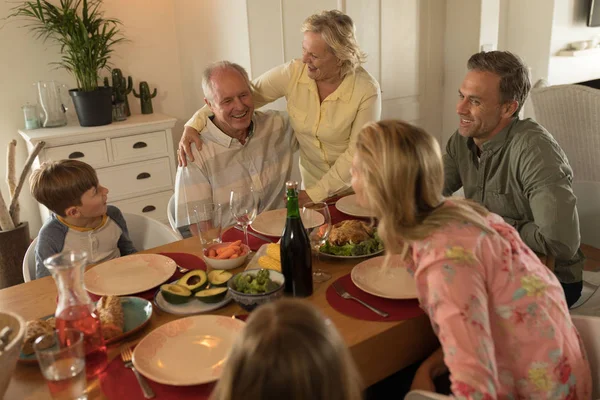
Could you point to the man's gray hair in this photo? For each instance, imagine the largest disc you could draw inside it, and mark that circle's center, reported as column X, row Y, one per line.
column 207, row 84
column 514, row 74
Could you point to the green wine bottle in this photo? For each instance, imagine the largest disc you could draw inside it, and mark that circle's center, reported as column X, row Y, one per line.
column 296, row 259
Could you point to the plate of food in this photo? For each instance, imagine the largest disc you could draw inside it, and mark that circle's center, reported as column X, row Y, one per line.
column 130, row 274
column 349, row 205
column 352, row 239
column 390, row 282
column 119, row 316
column 272, row 223
column 194, row 293
column 187, row 351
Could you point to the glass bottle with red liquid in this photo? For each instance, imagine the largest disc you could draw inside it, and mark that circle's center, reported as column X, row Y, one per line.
column 75, row 309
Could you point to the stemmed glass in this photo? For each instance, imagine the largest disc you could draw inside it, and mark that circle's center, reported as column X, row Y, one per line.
column 317, row 222
column 243, row 203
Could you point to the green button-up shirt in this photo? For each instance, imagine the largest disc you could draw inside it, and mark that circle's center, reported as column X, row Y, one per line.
column 523, row 175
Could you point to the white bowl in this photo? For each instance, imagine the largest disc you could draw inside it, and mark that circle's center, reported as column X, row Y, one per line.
column 582, row 45
column 8, row 358
column 225, row 264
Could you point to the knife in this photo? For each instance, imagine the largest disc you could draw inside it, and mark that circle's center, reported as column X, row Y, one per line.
column 256, row 235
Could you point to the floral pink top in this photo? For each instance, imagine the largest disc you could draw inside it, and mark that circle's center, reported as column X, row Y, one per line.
column 500, row 315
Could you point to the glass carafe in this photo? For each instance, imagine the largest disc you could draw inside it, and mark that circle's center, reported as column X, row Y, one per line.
column 52, row 100
column 75, row 309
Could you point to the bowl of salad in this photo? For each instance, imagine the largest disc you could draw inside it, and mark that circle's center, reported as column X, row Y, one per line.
column 352, row 239
column 254, row 287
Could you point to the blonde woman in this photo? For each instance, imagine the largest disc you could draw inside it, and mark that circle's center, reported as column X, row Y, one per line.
column 499, row 313
column 329, row 98
column 289, row 351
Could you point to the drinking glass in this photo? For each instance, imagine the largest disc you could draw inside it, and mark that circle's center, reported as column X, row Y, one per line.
column 243, row 203
column 62, row 361
column 208, row 223
column 317, row 222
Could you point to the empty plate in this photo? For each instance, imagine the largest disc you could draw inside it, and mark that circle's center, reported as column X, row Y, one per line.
column 272, row 223
column 129, row 274
column 393, row 282
column 187, row 351
column 348, row 205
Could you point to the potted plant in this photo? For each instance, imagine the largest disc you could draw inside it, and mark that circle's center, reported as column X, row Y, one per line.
column 14, row 234
column 86, row 41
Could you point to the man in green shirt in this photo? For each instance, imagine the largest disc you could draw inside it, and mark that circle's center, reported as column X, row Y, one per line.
column 514, row 167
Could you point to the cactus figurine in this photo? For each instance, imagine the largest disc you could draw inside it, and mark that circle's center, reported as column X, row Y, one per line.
column 145, row 97
column 121, row 89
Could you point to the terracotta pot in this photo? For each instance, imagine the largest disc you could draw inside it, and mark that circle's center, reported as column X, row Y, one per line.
column 13, row 246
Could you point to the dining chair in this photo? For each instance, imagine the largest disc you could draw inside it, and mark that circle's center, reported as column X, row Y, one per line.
column 424, row 395
column 29, row 262
column 146, row 232
column 171, row 213
column 589, row 331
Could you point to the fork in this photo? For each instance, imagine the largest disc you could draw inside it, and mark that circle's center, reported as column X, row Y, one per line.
column 182, row 270
column 343, row 293
column 126, row 355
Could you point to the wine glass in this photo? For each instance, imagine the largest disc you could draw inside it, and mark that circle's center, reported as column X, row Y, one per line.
column 317, row 222
column 243, row 202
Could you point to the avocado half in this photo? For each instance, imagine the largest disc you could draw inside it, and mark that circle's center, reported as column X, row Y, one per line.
column 175, row 294
column 194, row 280
column 212, row 295
column 219, row 277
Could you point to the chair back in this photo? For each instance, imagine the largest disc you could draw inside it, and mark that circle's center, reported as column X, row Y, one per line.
column 589, row 330
column 146, row 232
column 29, row 262
column 171, row 213
column 571, row 113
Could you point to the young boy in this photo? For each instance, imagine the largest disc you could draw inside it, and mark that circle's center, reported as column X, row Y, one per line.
column 81, row 219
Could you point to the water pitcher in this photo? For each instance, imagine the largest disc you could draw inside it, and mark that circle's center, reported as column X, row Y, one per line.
column 52, row 100
column 75, row 309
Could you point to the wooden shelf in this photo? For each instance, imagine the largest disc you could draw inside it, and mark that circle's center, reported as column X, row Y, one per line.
column 578, row 53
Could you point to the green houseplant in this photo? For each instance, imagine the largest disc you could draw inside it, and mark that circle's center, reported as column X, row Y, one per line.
column 86, row 40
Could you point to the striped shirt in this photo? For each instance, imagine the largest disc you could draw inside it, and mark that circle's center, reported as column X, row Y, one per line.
column 264, row 161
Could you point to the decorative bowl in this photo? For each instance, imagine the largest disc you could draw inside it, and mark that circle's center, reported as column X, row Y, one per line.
column 215, row 263
column 8, row 358
column 250, row 301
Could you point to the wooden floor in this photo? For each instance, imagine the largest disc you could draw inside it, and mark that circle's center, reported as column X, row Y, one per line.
column 592, row 254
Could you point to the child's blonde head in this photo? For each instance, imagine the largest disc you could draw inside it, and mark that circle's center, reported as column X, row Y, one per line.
column 289, row 351
column 60, row 184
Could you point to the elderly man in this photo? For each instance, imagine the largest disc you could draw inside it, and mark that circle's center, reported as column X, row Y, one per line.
column 240, row 147
column 514, row 167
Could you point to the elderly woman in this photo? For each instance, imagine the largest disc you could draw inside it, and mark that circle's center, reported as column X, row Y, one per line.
column 329, row 98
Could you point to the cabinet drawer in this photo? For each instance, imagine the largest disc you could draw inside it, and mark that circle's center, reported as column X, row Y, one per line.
column 93, row 153
column 135, row 179
column 138, row 146
column 153, row 205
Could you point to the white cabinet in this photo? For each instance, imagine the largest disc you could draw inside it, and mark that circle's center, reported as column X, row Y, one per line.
column 134, row 159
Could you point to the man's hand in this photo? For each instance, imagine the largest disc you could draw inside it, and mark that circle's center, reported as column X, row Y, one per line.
column 185, row 149
column 303, row 198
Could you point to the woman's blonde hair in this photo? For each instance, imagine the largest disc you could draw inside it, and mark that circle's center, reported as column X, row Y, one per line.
column 403, row 177
column 289, row 351
column 337, row 30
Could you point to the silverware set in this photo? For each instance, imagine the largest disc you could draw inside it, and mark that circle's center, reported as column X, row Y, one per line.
column 126, row 356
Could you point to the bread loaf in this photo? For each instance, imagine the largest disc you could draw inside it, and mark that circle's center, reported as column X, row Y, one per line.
column 35, row 329
column 110, row 312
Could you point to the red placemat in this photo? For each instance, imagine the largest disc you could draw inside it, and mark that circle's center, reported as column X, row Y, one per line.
column 119, row 383
column 184, row 260
column 231, row 235
column 398, row 309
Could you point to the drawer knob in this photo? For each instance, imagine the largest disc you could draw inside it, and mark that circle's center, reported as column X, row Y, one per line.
column 140, row 145
column 76, row 154
column 148, row 209
column 143, row 175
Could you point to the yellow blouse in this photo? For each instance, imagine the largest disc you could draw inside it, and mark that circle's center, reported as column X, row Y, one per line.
column 326, row 131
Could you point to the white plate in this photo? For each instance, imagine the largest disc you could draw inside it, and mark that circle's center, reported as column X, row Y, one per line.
column 129, row 274
column 191, row 307
column 394, row 282
column 272, row 223
column 348, row 205
column 187, row 351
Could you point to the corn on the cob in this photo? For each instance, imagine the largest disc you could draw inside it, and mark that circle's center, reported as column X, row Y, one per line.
column 273, row 251
column 268, row 262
